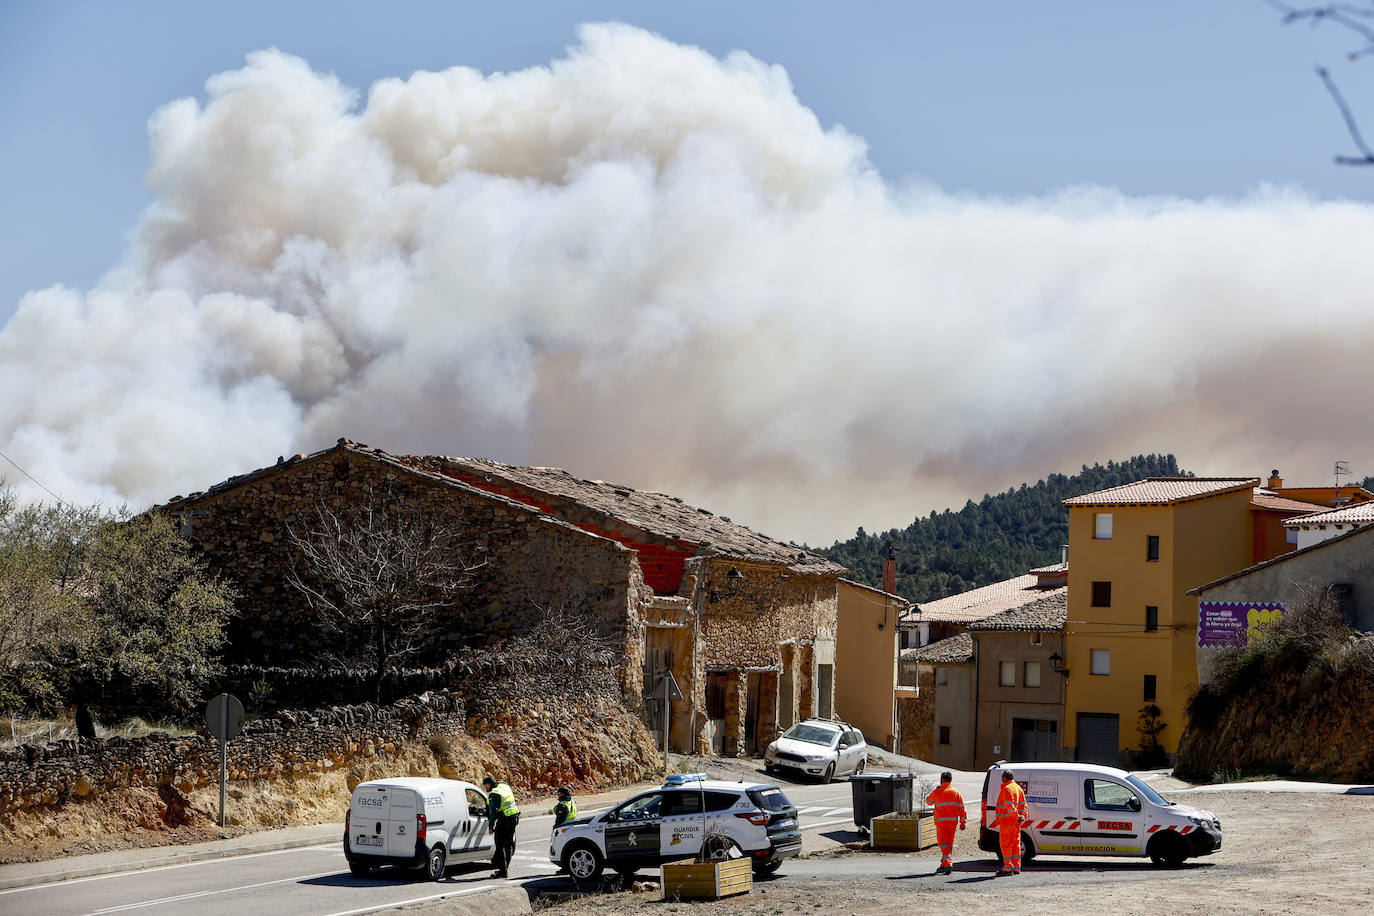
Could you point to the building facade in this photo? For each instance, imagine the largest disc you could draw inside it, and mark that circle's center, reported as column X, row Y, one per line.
column 745, row 624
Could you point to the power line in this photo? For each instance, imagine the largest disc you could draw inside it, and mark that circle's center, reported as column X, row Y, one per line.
column 34, row 479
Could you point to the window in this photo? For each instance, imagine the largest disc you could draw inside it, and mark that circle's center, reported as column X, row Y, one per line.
column 1101, row 795
column 1149, row 693
column 1032, row 678
column 675, row 803
column 1006, row 674
column 1102, row 594
column 1102, row 526
column 944, row 734
column 1152, row 548
column 1102, row 661
column 941, row 676
column 1151, row 619
column 1292, row 535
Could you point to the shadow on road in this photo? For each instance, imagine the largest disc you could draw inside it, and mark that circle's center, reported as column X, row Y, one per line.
column 392, row 877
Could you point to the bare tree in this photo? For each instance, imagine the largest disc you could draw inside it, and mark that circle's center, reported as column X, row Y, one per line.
column 379, row 572
column 1358, row 19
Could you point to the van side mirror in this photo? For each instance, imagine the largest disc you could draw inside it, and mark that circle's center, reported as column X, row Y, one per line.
column 1133, row 804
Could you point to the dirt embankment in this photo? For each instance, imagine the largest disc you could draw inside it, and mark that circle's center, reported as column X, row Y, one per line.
column 1287, row 715
column 599, row 746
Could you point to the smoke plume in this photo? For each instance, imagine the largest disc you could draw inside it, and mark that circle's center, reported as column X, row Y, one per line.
column 650, row 265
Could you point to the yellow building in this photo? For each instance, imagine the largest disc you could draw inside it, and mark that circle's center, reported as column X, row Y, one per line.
column 1131, row 634
column 866, row 660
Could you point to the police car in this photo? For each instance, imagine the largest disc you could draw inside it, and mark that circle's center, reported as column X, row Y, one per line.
column 750, row 820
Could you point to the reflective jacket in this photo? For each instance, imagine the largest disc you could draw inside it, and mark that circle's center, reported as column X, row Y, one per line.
column 1011, row 804
column 564, row 811
column 501, row 803
column 948, row 804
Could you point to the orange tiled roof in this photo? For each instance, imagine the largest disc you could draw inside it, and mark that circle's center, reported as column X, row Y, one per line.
column 1163, row 491
column 1269, row 501
column 979, row 603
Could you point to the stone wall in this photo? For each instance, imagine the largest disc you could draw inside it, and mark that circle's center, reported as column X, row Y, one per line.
column 529, row 561
column 582, row 738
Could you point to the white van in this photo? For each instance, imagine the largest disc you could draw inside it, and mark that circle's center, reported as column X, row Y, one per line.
column 1081, row 809
column 417, row 822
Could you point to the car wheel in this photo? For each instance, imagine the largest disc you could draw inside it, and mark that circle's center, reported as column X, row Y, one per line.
column 863, row 762
column 764, row 869
column 1027, row 848
column 583, row 862
column 438, row 860
column 1168, row 849
column 769, row 768
column 359, row 870
column 829, row 773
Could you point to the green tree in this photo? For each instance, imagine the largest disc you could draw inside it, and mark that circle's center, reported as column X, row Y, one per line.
column 96, row 605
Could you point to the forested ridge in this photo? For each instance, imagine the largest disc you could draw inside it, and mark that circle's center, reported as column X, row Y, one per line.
column 997, row 538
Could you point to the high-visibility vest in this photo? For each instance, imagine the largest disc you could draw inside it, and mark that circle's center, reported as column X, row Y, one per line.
column 570, row 807
column 1011, row 803
column 508, row 806
column 948, row 804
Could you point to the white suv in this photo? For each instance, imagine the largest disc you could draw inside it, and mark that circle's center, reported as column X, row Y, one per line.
column 750, row 820
column 819, row 747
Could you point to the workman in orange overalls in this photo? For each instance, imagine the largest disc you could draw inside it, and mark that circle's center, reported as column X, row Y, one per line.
column 949, row 810
column 1011, row 817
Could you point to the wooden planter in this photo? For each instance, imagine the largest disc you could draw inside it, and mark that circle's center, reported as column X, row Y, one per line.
column 901, row 830
column 707, row 880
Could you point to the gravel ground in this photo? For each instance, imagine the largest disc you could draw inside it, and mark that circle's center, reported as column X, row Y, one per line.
column 1283, row 853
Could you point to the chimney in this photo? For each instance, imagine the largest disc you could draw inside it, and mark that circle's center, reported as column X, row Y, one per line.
column 1275, row 481
column 890, row 570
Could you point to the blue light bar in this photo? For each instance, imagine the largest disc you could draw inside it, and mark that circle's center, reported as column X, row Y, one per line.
column 678, row 779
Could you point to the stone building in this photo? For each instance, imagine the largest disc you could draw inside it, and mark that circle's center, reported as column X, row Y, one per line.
column 745, row 624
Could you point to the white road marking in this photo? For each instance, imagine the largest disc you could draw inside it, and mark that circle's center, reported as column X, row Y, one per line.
column 399, row 903
column 833, row 812
column 810, row 808
column 842, row 820
column 144, row 871
column 198, row 894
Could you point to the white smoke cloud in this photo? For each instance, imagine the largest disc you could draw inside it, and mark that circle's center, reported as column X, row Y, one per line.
column 650, row 265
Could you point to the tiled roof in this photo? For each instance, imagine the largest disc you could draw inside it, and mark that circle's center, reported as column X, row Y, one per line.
column 1060, row 568
column 952, row 650
column 1043, row 615
column 1358, row 514
column 979, row 603
column 1270, row 501
column 655, row 513
column 1161, row 491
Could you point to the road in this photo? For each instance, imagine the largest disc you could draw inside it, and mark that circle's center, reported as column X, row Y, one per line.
column 315, row 879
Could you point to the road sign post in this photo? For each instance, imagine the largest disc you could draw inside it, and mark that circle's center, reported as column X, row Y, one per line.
column 670, row 692
column 224, row 718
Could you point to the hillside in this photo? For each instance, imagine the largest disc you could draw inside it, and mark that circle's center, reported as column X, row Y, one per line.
column 996, row 538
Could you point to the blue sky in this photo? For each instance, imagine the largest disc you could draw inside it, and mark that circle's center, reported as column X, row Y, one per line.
column 1175, row 97
column 1094, row 230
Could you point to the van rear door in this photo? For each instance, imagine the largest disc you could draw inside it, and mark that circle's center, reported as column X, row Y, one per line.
column 367, row 819
column 401, row 821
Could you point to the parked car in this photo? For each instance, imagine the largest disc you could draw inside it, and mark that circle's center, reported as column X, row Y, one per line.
column 416, row 822
column 1082, row 809
column 751, row 820
column 819, row 747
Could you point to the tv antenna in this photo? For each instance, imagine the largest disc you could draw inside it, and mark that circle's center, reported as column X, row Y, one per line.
column 1342, row 469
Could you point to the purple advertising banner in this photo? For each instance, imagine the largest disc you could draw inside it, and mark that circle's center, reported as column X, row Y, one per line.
column 1233, row 623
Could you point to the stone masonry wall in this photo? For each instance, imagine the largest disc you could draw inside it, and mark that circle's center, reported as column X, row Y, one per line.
column 584, row 738
column 529, row 561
